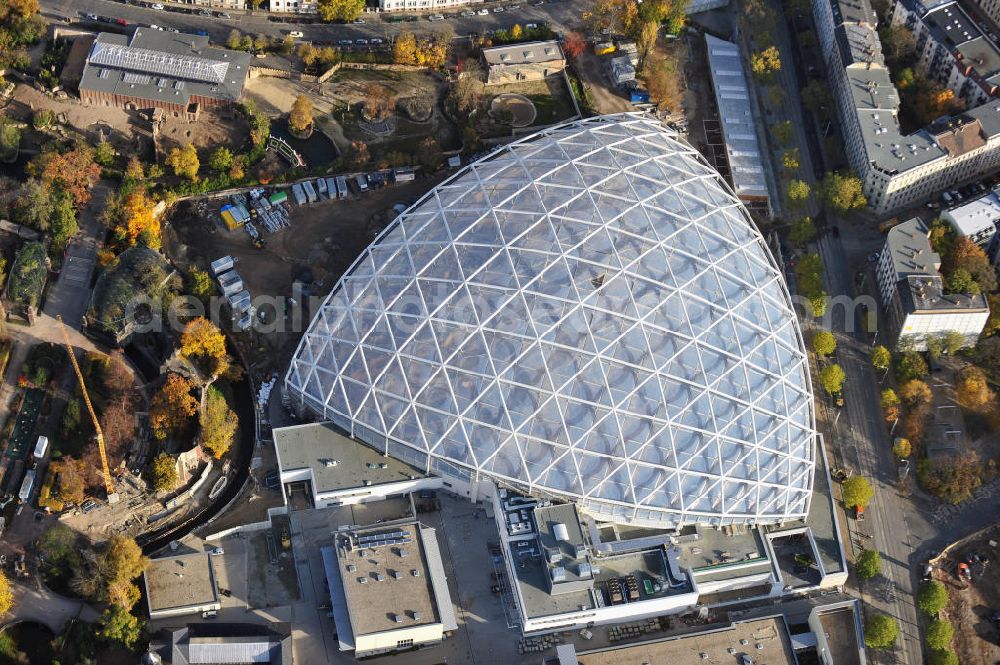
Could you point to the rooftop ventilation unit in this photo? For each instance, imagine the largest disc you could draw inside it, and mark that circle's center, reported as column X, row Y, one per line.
column 398, row 618
column 351, row 567
column 397, row 575
column 415, row 572
column 416, row 616
column 362, row 580
column 379, row 577
column 330, row 462
column 560, row 532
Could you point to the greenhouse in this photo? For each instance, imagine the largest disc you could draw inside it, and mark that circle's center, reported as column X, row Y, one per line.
column 588, row 314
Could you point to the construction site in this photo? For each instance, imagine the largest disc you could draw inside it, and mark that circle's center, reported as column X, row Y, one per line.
column 971, row 574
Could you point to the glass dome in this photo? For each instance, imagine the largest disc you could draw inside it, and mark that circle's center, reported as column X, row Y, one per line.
column 587, row 313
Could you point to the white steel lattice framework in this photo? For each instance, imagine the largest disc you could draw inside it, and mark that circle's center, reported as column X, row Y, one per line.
column 587, row 313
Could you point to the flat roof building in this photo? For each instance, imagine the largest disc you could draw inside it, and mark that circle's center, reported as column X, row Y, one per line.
column 337, row 470
column 530, row 61
column 388, row 588
column 177, row 72
column 180, row 585
column 977, row 219
column 744, row 159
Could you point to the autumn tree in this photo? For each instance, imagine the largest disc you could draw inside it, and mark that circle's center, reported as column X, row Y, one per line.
column 797, row 193
column 573, row 45
column 204, row 344
column 117, row 377
column 963, row 254
column 118, row 426
column 74, row 172
column 881, row 358
column 824, row 343
column 832, row 378
column 972, row 390
column 172, row 406
column 902, row 448
column 300, row 118
column 72, row 479
column 915, row 393
column 765, row 63
column 340, row 10
column 184, row 162
column 164, row 472
column 432, row 51
column 358, row 156
column 218, row 424
column 663, row 77
column 910, row 365
column 6, row 595
column 790, row 159
column 430, row 154
column 890, row 404
column 842, row 192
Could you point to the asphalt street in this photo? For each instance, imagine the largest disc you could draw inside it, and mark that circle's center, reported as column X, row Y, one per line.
column 860, row 443
column 559, row 15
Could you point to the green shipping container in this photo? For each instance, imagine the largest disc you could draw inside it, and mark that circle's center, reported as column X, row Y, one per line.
column 278, row 197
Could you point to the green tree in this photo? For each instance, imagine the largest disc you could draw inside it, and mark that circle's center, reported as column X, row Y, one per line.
column 802, row 232
column 967, row 255
column 104, row 153
column 783, row 132
column 832, row 378
column 881, row 632
column 939, row 633
column 184, row 162
column 889, row 398
column 200, row 284
column 797, row 192
column 857, row 492
column 942, row 657
column 881, row 358
column 932, row 597
column 233, row 40
column 118, row 625
column 910, row 365
column 824, row 343
column 218, row 424
column 869, row 564
column 953, row 342
column 842, row 192
column 164, row 472
column 817, row 98
column 960, row 281
column 340, row 10
column 221, row 159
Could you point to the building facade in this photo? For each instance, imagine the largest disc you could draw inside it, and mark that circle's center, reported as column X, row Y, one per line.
column 897, row 170
column 422, row 5
column 293, row 6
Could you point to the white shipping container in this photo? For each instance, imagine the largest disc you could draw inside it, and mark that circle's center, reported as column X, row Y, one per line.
column 41, row 447
column 220, row 266
column 27, row 486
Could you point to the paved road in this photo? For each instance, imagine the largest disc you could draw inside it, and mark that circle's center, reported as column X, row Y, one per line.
column 48, row 608
column 559, row 15
column 859, row 442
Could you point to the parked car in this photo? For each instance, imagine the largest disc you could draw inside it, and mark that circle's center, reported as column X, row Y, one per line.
column 344, row 42
column 375, row 41
column 361, row 42
column 156, row 5
column 296, row 34
column 204, row 12
column 873, row 257
column 498, row 10
column 358, row 21
column 483, row 12
column 217, row 551
column 467, row 13
column 436, row 17
column 222, row 15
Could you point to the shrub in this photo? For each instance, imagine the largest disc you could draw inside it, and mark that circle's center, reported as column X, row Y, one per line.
column 869, row 564
column 938, row 634
column 932, row 597
column 881, row 631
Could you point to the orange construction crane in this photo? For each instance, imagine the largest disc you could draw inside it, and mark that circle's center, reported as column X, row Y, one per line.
column 105, row 469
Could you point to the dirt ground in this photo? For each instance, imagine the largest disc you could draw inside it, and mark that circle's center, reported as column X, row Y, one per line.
column 214, row 127
column 977, row 639
column 348, row 87
column 324, row 239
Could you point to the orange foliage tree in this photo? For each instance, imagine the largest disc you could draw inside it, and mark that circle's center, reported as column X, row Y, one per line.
column 172, row 406
column 74, row 172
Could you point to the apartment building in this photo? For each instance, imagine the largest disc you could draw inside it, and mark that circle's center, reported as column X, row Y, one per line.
column 897, row 170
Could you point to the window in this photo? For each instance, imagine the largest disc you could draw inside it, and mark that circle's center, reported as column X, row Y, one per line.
column 403, row 644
